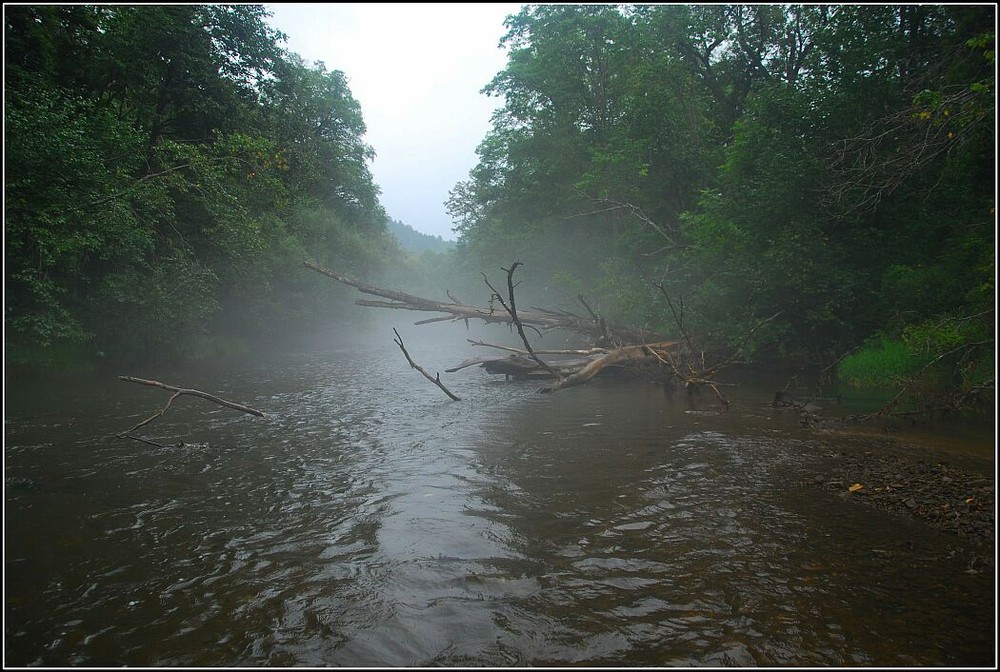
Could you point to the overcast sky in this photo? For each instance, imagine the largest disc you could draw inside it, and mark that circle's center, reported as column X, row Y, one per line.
column 416, row 70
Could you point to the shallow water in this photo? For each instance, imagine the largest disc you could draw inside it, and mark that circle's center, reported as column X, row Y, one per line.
column 368, row 520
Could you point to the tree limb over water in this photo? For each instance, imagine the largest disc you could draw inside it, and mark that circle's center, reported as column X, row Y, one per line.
column 434, row 379
column 510, row 306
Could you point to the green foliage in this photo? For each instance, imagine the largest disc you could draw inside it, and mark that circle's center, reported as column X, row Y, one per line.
column 63, row 160
column 935, row 359
column 167, row 305
column 168, row 168
column 964, row 345
column 881, row 363
column 800, row 177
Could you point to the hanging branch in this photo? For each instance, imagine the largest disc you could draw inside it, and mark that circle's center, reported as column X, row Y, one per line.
column 870, row 166
column 739, row 348
column 635, row 212
column 678, row 316
column 177, row 392
column 436, row 379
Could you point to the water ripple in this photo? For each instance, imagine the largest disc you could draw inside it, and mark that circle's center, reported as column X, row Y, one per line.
column 367, row 520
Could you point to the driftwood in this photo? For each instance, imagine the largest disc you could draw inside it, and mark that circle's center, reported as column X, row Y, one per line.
column 568, row 372
column 616, row 356
column 177, row 392
column 520, row 366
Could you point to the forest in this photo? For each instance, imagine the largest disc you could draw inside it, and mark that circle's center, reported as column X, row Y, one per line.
column 812, row 185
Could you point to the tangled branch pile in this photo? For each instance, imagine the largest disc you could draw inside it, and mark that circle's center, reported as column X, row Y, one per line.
column 611, row 347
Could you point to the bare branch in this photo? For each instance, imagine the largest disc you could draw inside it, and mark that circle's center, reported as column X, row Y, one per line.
column 511, row 309
column 588, row 351
column 177, row 392
column 633, row 210
column 434, row 379
column 873, row 164
column 536, row 319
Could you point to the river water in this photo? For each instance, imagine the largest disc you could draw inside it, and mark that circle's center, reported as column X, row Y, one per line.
column 368, row 520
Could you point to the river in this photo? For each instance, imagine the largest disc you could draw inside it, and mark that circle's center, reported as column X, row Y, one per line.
column 368, row 520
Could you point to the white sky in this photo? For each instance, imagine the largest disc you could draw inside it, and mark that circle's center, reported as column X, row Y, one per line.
column 416, row 69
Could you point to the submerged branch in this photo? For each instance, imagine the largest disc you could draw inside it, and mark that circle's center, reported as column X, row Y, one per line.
column 177, row 392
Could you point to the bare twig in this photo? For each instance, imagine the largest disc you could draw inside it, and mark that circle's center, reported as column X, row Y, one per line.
column 632, row 210
column 678, row 316
column 739, row 348
column 434, row 379
column 597, row 318
column 890, row 150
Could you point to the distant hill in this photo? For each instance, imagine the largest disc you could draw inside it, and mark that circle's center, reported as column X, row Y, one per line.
column 412, row 240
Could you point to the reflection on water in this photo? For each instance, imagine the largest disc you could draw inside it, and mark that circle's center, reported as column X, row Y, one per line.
column 370, row 521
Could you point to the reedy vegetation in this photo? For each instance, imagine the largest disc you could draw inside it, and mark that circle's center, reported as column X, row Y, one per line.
column 168, row 168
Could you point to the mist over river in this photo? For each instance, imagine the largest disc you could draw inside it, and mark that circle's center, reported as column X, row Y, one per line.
column 368, row 520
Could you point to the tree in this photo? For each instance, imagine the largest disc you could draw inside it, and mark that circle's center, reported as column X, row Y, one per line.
column 831, row 165
column 168, row 168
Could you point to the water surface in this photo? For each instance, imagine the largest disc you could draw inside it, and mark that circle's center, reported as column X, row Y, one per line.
column 368, row 520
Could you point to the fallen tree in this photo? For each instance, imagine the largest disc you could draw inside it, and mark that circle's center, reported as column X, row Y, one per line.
column 541, row 319
column 612, row 346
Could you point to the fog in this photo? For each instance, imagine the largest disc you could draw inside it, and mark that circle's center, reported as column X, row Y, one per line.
column 368, row 328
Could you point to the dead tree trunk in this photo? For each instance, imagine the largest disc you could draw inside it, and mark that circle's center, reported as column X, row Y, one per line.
column 616, row 356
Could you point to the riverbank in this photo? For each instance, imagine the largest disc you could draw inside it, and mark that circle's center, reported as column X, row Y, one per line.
column 922, row 485
column 941, row 472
